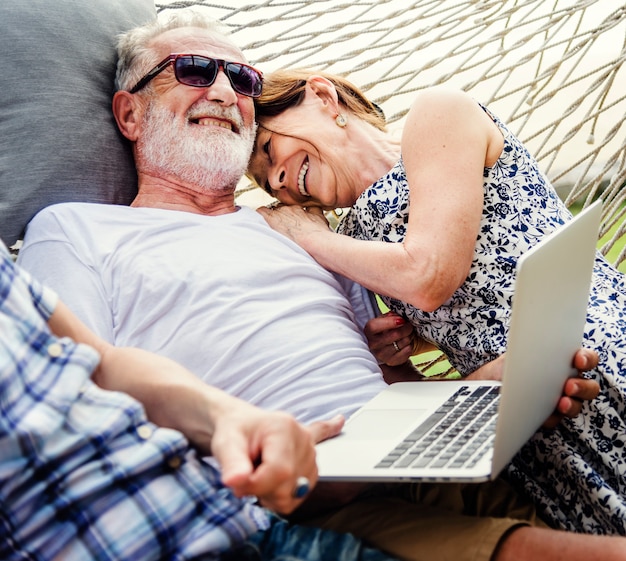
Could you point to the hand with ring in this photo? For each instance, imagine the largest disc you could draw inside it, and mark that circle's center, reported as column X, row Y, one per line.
column 303, row 486
column 267, row 454
column 391, row 339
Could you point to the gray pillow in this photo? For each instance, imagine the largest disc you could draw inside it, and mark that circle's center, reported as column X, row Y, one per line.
column 58, row 138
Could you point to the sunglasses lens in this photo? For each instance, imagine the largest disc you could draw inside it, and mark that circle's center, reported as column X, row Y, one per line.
column 195, row 71
column 245, row 79
column 200, row 72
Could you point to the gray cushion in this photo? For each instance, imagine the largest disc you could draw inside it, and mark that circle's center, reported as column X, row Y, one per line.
column 58, row 139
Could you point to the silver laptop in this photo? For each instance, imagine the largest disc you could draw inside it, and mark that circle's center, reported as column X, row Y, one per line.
column 424, row 430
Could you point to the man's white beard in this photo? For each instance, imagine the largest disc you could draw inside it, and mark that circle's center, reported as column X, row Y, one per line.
column 209, row 157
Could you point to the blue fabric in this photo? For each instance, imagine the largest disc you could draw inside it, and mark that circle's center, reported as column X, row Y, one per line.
column 83, row 474
column 283, row 542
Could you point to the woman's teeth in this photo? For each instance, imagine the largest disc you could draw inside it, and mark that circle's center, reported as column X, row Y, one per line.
column 301, row 176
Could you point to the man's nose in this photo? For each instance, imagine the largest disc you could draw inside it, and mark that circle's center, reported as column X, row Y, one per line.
column 221, row 91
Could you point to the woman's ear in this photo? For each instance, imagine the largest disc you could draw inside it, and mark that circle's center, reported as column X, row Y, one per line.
column 125, row 110
column 323, row 90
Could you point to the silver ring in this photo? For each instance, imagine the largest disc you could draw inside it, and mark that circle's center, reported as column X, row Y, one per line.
column 395, row 346
column 303, row 486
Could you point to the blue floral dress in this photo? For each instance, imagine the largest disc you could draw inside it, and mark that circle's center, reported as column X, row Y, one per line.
column 576, row 474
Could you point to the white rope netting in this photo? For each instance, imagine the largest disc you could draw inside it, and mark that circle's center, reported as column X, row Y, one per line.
column 553, row 70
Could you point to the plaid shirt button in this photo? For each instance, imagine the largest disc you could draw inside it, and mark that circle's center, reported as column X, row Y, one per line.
column 174, row 462
column 144, row 432
column 55, row 350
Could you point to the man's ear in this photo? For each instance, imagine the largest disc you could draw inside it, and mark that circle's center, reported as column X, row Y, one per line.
column 126, row 112
column 324, row 90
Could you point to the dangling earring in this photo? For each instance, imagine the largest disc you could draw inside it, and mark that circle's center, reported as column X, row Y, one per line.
column 341, row 120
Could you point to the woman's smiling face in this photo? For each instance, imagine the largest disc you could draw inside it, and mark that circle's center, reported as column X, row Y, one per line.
column 297, row 157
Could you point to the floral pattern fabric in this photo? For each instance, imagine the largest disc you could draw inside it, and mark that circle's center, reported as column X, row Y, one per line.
column 576, row 474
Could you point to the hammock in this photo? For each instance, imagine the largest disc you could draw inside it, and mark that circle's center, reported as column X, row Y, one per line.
column 553, row 70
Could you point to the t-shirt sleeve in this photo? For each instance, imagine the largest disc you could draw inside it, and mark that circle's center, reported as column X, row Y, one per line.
column 57, row 261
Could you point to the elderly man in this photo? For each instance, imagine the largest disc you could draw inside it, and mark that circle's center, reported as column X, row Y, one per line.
column 187, row 273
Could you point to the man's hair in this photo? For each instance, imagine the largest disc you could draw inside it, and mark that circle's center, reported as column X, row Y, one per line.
column 134, row 48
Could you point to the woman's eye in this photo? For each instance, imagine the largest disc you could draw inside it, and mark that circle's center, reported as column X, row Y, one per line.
column 266, row 147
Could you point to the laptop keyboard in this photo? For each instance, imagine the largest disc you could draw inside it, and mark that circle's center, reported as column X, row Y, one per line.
column 456, row 435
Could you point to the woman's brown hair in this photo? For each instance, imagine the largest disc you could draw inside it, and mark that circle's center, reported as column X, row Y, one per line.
column 283, row 89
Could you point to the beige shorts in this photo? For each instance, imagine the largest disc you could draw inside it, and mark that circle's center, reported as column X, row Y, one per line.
column 433, row 522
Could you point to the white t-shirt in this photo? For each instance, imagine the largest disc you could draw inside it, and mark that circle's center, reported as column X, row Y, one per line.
column 236, row 303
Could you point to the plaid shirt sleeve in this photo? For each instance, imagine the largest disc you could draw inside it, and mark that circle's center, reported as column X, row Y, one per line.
column 83, row 474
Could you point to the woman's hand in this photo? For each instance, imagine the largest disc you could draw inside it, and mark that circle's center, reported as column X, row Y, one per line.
column 393, row 340
column 295, row 222
column 575, row 390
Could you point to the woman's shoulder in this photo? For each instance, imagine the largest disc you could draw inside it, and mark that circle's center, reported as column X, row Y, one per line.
column 439, row 105
column 444, row 116
column 444, row 97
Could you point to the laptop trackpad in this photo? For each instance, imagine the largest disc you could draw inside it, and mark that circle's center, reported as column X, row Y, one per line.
column 383, row 424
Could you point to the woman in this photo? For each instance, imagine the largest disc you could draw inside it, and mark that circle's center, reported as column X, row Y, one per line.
column 478, row 201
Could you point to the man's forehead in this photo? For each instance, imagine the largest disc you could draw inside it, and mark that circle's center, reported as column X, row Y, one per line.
column 197, row 40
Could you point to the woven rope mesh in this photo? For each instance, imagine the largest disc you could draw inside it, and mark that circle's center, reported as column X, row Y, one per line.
column 553, row 70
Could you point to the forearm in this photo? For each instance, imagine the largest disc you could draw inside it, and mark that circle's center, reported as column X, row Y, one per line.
column 424, row 270
column 170, row 394
column 421, row 277
column 260, row 452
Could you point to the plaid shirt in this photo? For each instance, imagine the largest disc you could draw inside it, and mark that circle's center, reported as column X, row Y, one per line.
column 83, row 474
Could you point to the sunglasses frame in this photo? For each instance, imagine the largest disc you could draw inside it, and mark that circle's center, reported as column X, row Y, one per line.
column 222, row 65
